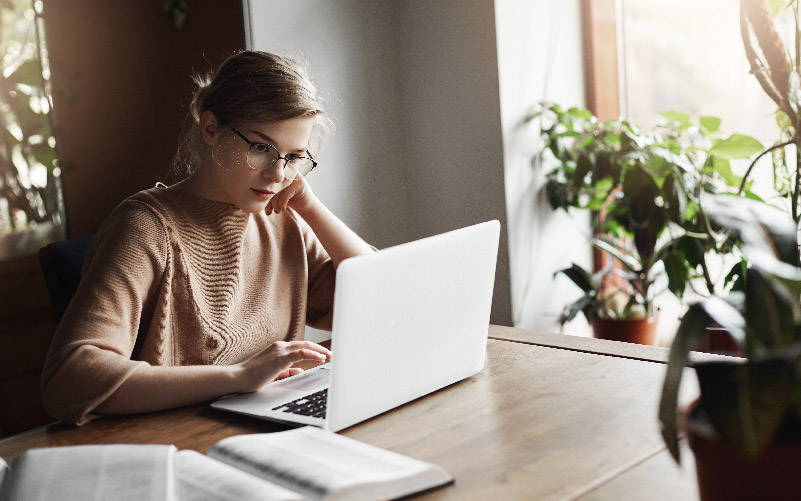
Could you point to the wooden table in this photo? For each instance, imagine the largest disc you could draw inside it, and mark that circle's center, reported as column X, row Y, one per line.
column 550, row 417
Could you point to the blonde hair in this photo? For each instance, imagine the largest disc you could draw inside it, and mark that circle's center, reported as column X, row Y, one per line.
column 249, row 86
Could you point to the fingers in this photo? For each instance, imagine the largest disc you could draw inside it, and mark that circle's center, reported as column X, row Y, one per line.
column 306, row 350
column 292, row 371
column 275, row 362
column 297, row 194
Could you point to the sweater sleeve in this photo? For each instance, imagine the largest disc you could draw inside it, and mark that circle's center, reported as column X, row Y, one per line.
column 90, row 355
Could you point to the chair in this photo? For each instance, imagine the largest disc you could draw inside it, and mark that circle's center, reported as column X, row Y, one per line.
column 61, row 264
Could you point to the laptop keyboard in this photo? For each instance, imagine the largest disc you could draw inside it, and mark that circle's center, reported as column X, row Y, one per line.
column 311, row 405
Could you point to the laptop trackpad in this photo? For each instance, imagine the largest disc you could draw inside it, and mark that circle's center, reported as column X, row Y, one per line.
column 306, row 381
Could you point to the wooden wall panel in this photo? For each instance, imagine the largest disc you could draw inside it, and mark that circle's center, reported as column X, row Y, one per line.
column 121, row 79
column 121, row 85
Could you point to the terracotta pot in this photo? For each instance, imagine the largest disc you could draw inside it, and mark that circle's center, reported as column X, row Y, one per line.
column 718, row 340
column 724, row 473
column 635, row 330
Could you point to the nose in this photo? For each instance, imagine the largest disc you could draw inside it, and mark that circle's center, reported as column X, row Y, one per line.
column 275, row 172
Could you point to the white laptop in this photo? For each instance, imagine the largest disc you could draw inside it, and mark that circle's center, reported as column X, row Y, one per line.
column 408, row 320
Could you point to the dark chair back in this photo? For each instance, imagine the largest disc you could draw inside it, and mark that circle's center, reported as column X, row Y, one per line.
column 61, row 264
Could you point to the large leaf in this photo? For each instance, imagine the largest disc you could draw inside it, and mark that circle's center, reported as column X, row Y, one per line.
column 736, row 276
column 579, row 276
column 645, row 240
column 710, row 124
column 736, row 146
column 675, row 198
column 677, row 272
column 691, row 249
column 771, row 311
column 692, row 327
column 762, row 228
column 640, row 191
column 727, row 315
column 614, row 248
column 28, row 73
column 583, row 167
column 583, row 304
column 680, row 118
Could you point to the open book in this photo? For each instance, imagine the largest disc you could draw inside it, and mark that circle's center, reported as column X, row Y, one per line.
column 120, row 472
column 303, row 463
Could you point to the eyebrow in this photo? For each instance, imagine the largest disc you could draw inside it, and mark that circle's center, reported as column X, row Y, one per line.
column 270, row 140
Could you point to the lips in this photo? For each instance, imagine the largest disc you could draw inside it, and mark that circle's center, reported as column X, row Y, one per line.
column 263, row 194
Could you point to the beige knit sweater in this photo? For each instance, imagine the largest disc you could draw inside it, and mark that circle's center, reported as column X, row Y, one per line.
column 209, row 284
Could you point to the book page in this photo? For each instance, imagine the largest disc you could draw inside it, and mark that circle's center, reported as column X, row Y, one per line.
column 319, row 463
column 201, row 478
column 119, row 472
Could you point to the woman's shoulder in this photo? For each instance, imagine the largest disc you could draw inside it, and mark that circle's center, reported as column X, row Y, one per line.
column 136, row 217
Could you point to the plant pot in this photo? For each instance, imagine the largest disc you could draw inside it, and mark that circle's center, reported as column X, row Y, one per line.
column 724, row 473
column 634, row 330
column 718, row 340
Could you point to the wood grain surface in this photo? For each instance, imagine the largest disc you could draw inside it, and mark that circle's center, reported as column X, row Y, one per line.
column 538, row 422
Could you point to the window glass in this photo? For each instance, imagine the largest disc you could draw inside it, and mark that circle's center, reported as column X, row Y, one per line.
column 688, row 56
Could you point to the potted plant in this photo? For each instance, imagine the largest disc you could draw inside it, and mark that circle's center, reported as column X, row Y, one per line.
column 615, row 300
column 745, row 429
column 643, row 189
column 30, row 190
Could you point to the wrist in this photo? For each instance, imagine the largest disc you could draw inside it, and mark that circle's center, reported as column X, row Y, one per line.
column 238, row 379
column 308, row 209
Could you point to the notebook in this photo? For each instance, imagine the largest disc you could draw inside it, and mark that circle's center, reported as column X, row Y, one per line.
column 408, row 320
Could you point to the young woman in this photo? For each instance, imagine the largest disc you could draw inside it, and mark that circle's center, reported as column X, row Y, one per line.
column 202, row 289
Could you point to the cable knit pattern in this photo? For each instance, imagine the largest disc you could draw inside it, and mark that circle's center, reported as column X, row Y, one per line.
column 209, row 284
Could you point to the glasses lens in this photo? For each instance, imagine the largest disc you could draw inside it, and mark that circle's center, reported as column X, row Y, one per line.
column 298, row 167
column 262, row 156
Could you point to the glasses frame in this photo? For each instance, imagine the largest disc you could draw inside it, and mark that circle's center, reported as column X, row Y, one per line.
column 252, row 144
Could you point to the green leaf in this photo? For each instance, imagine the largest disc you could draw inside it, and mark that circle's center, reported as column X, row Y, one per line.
column 767, row 233
column 677, row 272
column 583, row 304
column 736, row 276
column 44, row 154
column 583, row 167
column 776, row 6
column 781, row 173
column 692, row 250
column 607, row 244
column 682, row 119
column 675, row 198
column 692, row 327
column 28, row 73
column 640, row 190
column 782, row 120
column 722, row 167
column 727, row 315
column 579, row 276
column 770, row 313
column 711, row 124
column 581, row 113
column 736, row 146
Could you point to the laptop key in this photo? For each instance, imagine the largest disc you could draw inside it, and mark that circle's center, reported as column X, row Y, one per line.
column 313, row 405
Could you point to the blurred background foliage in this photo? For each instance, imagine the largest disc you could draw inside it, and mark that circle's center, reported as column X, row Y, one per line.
column 30, row 192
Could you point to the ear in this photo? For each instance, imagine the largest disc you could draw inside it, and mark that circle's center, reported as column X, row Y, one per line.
column 209, row 127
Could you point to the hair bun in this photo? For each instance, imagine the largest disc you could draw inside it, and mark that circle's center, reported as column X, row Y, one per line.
column 198, row 104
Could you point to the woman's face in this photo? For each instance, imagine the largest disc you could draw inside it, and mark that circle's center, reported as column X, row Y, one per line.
column 227, row 175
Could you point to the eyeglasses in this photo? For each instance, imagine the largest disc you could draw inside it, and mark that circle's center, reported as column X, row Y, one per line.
column 262, row 156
